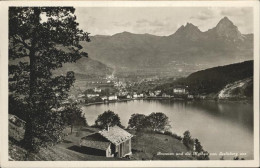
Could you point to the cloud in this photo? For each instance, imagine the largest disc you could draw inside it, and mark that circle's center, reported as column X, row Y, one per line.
column 206, row 14
column 235, row 11
column 155, row 23
column 215, row 12
column 158, row 27
column 122, row 24
column 90, row 20
column 142, row 21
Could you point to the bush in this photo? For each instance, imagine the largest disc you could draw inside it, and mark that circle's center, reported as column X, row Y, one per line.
column 173, row 135
column 177, row 137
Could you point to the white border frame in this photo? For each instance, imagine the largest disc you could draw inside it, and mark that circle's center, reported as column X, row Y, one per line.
column 4, row 85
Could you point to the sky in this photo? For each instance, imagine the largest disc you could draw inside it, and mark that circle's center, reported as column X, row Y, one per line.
column 161, row 21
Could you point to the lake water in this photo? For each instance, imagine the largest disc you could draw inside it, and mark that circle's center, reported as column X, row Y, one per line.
column 220, row 127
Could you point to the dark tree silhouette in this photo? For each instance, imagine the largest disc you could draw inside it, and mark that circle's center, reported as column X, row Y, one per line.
column 157, row 122
column 136, row 121
column 45, row 37
column 108, row 118
column 73, row 116
column 187, row 140
column 199, row 149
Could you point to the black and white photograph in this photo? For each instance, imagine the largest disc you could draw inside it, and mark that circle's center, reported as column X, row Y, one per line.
column 132, row 83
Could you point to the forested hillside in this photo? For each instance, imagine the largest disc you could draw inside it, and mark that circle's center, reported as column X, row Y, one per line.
column 214, row 79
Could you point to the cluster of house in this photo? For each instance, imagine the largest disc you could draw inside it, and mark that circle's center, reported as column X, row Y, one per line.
column 183, row 92
column 180, row 91
column 109, row 98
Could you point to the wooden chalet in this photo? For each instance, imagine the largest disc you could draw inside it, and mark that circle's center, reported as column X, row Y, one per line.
column 112, row 142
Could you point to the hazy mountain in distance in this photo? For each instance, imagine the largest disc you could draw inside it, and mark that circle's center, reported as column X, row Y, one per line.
column 82, row 68
column 85, row 67
column 185, row 51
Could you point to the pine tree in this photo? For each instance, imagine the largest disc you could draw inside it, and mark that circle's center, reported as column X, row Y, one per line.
column 45, row 37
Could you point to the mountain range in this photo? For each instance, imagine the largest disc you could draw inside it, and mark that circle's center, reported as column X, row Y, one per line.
column 185, row 51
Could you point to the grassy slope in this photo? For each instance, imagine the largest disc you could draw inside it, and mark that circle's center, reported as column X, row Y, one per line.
column 145, row 146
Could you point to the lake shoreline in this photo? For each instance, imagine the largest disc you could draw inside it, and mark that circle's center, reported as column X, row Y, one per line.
column 244, row 101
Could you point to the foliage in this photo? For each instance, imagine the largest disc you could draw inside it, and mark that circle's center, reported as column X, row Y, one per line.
column 187, row 140
column 93, row 100
column 173, row 135
column 199, row 149
column 108, row 118
column 237, row 158
column 89, row 91
column 73, row 116
column 157, row 122
column 105, row 92
column 44, row 44
column 136, row 121
column 49, row 127
column 195, row 146
column 17, row 107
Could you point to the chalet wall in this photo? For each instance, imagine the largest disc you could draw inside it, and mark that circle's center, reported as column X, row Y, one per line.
column 123, row 148
column 94, row 151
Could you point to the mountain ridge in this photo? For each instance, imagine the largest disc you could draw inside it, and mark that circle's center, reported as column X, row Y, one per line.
column 185, row 51
column 224, row 19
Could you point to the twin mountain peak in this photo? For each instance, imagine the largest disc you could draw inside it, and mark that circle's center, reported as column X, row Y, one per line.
column 224, row 29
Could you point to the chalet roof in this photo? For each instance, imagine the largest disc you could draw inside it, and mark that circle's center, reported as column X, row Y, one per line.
column 116, row 135
column 96, row 141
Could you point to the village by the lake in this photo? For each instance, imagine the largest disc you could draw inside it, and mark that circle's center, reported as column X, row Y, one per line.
column 86, row 87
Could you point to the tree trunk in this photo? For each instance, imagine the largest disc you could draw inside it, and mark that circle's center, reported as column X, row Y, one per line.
column 71, row 128
column 28, row 135
column 31, row 113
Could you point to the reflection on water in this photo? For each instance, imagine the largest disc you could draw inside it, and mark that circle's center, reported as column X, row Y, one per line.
column 221, row 127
